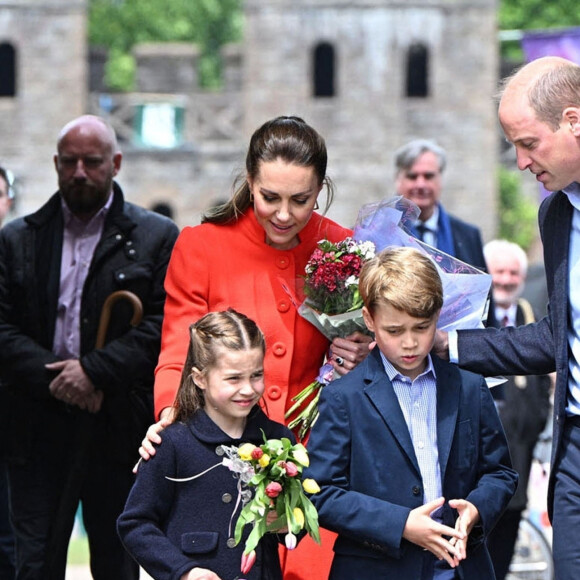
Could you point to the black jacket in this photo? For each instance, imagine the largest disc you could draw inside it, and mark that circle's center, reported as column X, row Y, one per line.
column 132, row 254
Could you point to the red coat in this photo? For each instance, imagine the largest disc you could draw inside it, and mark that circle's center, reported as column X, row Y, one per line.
column 214, row 267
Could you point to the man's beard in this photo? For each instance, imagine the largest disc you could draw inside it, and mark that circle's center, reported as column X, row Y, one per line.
column 83, row 199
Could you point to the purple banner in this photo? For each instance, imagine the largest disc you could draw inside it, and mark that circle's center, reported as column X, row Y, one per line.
column 563, row 42
column 560, row 42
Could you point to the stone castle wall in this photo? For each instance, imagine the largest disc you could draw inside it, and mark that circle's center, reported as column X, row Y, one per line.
column 49, row 38
column 270, row 74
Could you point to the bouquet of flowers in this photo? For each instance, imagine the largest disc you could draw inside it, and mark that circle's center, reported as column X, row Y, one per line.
column 333, row 304
column 465, row 288
column 274, row 470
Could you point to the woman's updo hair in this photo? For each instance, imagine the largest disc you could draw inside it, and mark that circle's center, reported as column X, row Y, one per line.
column 290, row 139
column 228, row 330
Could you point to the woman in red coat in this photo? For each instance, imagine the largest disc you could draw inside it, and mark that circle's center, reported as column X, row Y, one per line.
column 249, row 254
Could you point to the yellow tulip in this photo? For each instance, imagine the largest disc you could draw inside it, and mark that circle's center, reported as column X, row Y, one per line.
column 301, row 455
column 310, row 486
column 298, row 516
column 264, row 460
column 245, row 451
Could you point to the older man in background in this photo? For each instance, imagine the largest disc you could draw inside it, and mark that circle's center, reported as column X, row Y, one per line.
column 419, row 177
column 419, row 169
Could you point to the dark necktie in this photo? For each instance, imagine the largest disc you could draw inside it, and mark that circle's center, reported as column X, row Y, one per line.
column 421, row 229
column 505, row 321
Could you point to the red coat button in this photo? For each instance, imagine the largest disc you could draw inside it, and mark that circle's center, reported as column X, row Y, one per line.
column 274, row 392
column 283, row 305
column 279, row 349
column 282, row 262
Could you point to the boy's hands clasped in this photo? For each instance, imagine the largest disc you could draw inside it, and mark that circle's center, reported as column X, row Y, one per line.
column 445, row 543
column 468, row 517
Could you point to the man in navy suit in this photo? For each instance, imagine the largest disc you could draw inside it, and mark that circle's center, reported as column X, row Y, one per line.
column 540, row 114
column 525, row 400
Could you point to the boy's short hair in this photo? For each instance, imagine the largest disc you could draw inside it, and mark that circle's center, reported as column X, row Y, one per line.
column 403, row 278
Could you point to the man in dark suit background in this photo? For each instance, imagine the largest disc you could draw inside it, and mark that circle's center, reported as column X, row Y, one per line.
column 419, row 174
column 419, row 177
column 539, row 112
column 524, row 404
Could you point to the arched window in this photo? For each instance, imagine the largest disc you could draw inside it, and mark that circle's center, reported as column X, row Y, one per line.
column 418, row 71
column 324, row 70
column 7, row 70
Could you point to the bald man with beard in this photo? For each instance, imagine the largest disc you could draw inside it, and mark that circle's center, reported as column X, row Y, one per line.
column 74, row 411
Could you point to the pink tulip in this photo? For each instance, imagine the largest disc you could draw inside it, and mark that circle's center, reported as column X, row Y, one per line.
column 273, row 489
column 248, row 561
column 291, row 469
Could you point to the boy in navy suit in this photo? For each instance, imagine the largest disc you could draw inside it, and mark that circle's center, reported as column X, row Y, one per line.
column 408, row 450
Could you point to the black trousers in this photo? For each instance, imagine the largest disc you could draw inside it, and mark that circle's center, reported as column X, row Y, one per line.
column 44, row 504
column 6, row 535
column 501, row 542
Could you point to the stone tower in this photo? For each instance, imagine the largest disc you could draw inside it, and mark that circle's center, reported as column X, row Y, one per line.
column 371, row 75
column 43, row 84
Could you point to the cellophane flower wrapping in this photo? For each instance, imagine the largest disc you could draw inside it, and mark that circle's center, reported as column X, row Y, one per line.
column 333, row 304
column 274, row 471
column 465, row 288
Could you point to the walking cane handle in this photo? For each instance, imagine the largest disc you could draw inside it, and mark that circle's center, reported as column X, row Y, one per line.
column 106, row 313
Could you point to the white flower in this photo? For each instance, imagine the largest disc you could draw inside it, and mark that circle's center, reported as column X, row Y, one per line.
column 351, row 281
column 367, row 250
column 234, row 463
column 290, row 540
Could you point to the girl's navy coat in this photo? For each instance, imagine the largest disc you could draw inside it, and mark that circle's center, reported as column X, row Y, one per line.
column 171, row 527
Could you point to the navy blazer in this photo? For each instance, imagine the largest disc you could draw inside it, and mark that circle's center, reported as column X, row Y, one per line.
column 467, row 242
column 362, row 456
column 538, row 348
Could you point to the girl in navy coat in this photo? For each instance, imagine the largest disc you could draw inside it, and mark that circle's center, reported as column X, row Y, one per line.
column 183, row 530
